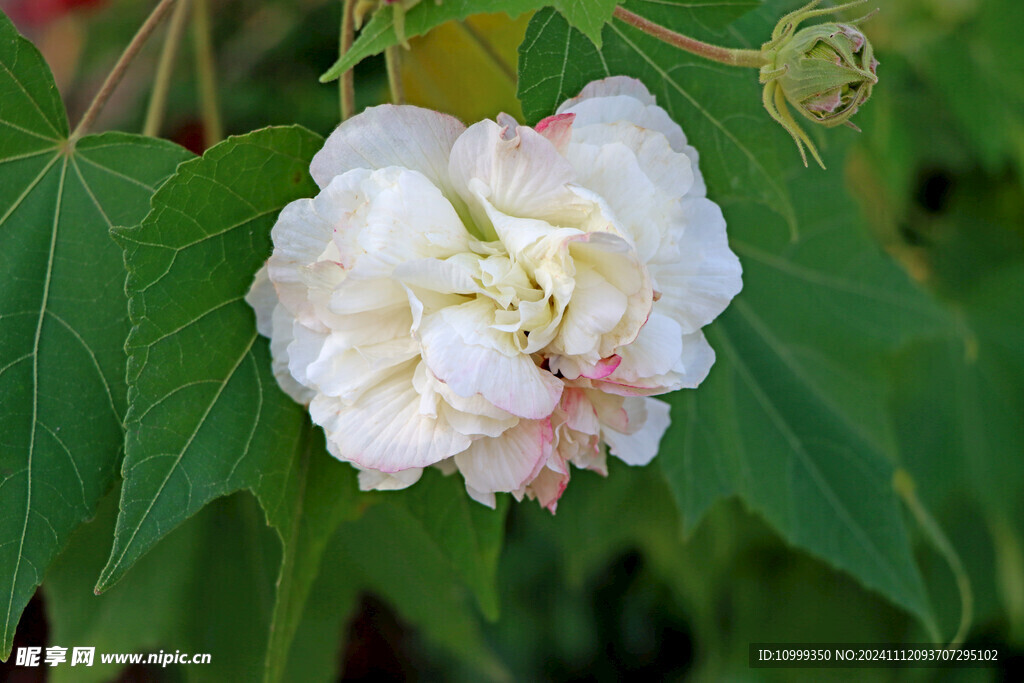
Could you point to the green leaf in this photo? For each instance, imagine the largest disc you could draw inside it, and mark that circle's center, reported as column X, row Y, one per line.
column 981, row 90
column 588, row 17
column 322, row 633
column 467, row 535
column 140, row 615
column 206, row 416
column 379, row 32
column 793, row 416
column 958, row 403
column 383, row 552
column 732, row 582
column 62, row 315
column 208, row 588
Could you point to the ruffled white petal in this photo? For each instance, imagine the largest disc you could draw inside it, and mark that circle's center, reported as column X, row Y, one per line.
column 282, row 336
column 655, row 351
column 274, row 321
column 699, row 286
column 372, row 480
column 388, row 135
column 518, row 171
column 384, row 429
column 611, row 87
column 640, row 447
column 263, row 300
column 507, row 463
column 462, row 350
column 300, row 238
column 626, row 99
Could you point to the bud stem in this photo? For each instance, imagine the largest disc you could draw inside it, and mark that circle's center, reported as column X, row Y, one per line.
column 393, row 61
column 206, row 74
column 346, row 85
column 117, row 73
column 164, row 71
column 722, row 55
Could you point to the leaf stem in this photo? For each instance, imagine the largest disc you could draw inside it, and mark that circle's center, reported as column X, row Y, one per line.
column 117, row 73
column 393, row 59
column 164, row 69
column 722, row 55
column 206, row 72
column 905, row 487
column 346, row 85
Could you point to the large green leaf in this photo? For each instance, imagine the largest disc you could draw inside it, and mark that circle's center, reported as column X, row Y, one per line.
column 438, row 513
column 62, row 315
column 958, row 404
column 729, row 583
column 205, row 416
column 975, row 68
column 793, row 417
column 384, row 553
column 209, row 587
column 379, row 32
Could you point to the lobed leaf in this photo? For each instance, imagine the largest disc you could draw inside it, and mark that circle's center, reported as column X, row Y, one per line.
column 62, row 317
column 206, row 416
column 222, row 560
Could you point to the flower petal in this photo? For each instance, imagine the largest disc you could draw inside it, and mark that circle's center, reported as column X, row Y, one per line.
column 472, row 416
column 639, row 176
column 626, row 99
column 263, row 299
column 275, row 322
column 389, row 135
column 346, row 372
column 654, row 352
column 384, row 430
column 372, row 480
column 691, row 368
column 462, row 349
column 388, row 216
column 549, row 485
column 300, row 238
column 520, row 174
column 508, row 462
column 707, row 276
column 557, row 129
column 610, row 87
column 640, row 447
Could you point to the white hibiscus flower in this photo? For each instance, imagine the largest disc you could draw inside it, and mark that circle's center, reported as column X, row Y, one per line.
column 498, row 299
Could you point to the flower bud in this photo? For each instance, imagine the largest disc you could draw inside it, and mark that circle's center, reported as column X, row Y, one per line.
column 825, row 71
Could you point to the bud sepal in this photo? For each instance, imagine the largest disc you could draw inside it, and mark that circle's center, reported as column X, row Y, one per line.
column 826, row 72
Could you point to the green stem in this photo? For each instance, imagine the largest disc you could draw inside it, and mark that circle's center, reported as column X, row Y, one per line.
column 213, row 129
column 346, row 84
column 722, row 55
column 164, row 70
column 117, row 73
column 393, row 59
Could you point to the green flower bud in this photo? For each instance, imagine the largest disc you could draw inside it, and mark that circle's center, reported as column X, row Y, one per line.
column 825, row 71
